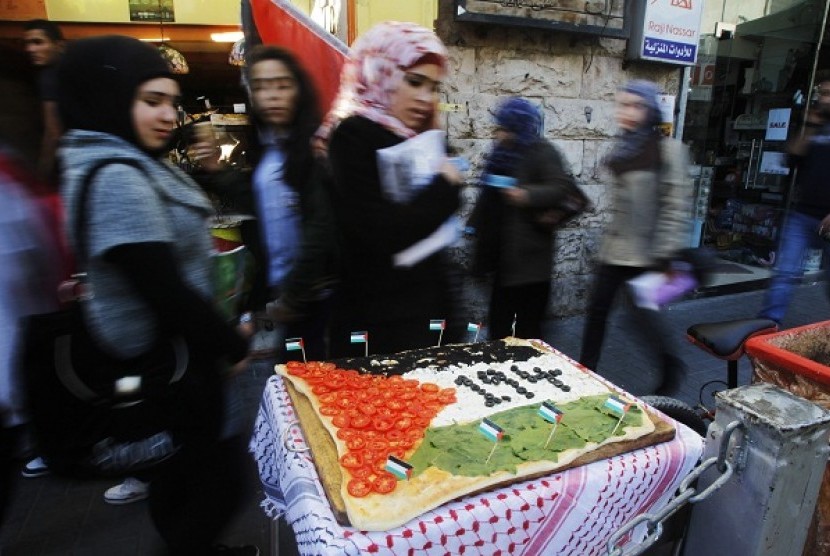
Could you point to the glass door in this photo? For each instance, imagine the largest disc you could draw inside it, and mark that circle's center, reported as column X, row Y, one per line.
column 747, row 96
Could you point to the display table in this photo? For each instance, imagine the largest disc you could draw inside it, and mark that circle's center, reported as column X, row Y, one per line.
column 573, row 512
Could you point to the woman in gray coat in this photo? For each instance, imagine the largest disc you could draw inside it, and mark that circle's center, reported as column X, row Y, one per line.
column 649, row 221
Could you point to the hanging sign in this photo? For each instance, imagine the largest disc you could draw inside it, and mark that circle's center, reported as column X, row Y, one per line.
column 152, row 10
column 22, row 10
column 667, row 31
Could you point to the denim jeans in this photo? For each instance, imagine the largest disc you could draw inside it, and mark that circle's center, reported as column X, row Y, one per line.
column 800, row 232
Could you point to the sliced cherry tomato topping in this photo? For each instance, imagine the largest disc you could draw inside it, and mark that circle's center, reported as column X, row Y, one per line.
column 415, row 434
column 345, row 401
column 360, row 421
column 393, row 435
column 395, row 405
column 447, row 394
column 359, row 487
column 421, row 423
column 403, row 424
column 407, row 395
column 320, row 389
column 356, row 443
column 351, row 460
column 328, row 398
column 346, row 434
column 384, row 483
column 382, row 424
column 330, row 410
column 399, row 453
column 340, row 421
column 386, row 413
column 362, row 473
column 378, row 445
column 368, row 409
column 430, row 387
column 296, row 368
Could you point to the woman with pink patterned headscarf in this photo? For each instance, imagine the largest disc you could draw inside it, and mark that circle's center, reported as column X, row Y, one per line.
column 388, row 94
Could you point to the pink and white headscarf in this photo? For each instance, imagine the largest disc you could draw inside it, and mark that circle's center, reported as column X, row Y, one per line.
column 374, row 70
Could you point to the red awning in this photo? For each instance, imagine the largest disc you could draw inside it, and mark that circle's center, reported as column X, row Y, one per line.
column 321, row 53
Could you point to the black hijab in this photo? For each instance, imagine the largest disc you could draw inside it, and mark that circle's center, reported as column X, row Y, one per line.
column 97, row 81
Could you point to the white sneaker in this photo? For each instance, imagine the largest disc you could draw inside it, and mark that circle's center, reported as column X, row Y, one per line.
column 131, row 490
column 35, row 468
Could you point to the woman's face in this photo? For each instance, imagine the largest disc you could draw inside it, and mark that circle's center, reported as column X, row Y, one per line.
column 274, row 92
column 154, row 112
column 504, row 137
column 631, row 111
column 415, row 100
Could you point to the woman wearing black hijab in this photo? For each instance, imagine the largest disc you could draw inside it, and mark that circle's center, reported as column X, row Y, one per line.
column 148, row 264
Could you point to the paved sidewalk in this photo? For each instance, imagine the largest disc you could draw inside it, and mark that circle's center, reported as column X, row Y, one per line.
column 57, row 517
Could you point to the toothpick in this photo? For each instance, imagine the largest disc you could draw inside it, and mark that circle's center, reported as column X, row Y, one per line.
column 495, row 444
column 553, row 430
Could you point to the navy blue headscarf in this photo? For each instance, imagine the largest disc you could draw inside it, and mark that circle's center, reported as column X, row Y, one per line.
column 636, row 148
column 524, row 121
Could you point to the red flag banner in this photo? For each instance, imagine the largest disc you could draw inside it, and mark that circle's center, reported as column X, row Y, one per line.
column 322, row 54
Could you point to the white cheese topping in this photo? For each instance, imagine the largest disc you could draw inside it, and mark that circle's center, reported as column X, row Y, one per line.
column 471, row 405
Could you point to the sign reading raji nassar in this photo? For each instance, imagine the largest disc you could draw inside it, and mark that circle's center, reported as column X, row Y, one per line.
column 666, row 31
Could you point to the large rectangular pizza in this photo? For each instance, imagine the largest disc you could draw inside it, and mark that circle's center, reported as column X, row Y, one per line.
column 414, row 430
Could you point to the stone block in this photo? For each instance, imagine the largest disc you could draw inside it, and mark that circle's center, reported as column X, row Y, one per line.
column 568, row 118
column 531, row 74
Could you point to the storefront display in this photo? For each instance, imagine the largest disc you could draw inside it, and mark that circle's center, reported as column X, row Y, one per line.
column 748, row 95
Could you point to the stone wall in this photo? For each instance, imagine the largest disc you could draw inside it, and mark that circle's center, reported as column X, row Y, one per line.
column 565, row 74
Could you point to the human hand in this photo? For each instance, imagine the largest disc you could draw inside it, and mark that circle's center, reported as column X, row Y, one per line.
column 205, row 154
column 451, row 173
column 281, row 312
column 516, row 196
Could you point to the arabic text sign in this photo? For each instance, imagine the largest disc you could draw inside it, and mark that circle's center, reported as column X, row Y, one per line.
column 671, row 31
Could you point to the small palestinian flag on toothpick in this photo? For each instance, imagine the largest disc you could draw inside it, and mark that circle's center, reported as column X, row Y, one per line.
column 295, row 344
column 398, row 467
column 551, row 414
column 474, row 327
column 492, row 432
column 361, row 337
column 618, row 407
column 438, row 324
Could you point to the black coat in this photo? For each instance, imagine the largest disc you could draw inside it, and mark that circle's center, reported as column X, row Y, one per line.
column 393, row 304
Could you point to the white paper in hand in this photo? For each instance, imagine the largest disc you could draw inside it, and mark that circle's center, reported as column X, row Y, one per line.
column 405, row 169
column 410, row 166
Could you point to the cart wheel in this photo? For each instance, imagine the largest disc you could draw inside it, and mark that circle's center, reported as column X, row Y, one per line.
column 679, row 411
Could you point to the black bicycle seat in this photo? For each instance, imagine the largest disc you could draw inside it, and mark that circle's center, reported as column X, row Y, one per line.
column 726, row 339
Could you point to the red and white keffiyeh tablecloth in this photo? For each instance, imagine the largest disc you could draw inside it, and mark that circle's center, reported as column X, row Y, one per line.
column 571, row 513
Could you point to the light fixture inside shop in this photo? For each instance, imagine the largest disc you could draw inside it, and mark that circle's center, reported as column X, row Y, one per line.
column 173, row 57
column 230, row 36
column 237, row 55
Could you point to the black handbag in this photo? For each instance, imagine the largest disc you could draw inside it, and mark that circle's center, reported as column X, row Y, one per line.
column 94, row 414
